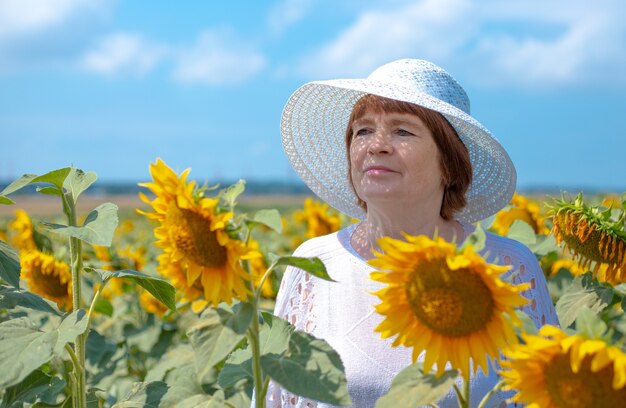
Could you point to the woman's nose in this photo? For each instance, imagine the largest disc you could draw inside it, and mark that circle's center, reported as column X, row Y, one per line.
column 380, row 143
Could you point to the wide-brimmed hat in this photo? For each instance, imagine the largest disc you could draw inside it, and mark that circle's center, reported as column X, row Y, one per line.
column 314, row 124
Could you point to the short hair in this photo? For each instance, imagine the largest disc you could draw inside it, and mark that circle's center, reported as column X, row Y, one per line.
column 454, row 159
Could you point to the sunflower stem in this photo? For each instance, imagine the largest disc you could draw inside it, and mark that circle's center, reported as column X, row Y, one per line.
column 254, row 340
column 495, row 389
column 76, row 262
column 94, row 300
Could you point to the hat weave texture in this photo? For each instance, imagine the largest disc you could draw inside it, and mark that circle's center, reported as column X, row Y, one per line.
column 315, row 119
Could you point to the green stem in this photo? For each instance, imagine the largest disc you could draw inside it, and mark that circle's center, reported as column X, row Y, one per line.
column 94, row 300
column 76, row 263
column 466, row 392
column 495, row 389
column 255, row 343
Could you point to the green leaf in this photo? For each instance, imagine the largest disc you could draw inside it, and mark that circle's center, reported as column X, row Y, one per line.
column 273, row 339
column 522, row 232
column 412, row 388
column 309, row 368
column 9, row 265
column 71, row 327
column 476, row 239
column 36, row 387
column 583, row 292
column 21, row 182
column 229, row 195
column 217, row 334
column 144, row 395
column 50, row 190
column 11, row 298
column 589, row 324
column 78, row 181
column 269, row 218
column 6, row 201
column 23, row 349
column 162, row 290
column 314, row 266
column 104, row 307
column 176, row 357
column 55, row 177
column 98, row 227
column 544, row 245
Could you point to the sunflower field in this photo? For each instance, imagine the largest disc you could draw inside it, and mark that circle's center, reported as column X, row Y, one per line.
column 170, row 304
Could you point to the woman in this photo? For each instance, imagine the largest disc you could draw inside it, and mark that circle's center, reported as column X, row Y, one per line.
column 413, row 161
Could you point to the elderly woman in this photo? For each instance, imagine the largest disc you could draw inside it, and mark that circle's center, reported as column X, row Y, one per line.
column 400, row 152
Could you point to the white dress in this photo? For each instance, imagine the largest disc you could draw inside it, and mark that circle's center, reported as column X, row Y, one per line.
column 342, row 313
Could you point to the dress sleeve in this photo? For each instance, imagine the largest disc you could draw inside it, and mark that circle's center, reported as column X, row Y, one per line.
column 526, row 269
column 295, row 302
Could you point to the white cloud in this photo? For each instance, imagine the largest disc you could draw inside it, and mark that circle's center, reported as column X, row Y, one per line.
column 25, row 17
column 218, row 58
column 525, row 43
column 286, row 13
column 123, row 52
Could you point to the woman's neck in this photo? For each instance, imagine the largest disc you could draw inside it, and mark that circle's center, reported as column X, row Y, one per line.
column 365, row 238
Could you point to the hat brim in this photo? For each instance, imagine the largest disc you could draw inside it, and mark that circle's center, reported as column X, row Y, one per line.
column 313, row 128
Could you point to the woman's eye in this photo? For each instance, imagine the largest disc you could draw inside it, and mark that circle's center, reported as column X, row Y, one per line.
column 360, row 132
column 403, row 132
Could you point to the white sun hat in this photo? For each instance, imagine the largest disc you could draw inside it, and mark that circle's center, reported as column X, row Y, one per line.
column 315, row 119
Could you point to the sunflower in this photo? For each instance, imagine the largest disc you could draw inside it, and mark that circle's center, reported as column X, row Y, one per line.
column 24, row 240
column 47, row 277
column 553, row 369
column 448, row 302
column 318, row 217
column 523, row 209
column 566, row 263
column 103, row 254
column 257, row 269
column 591, row 236
column 199, row 255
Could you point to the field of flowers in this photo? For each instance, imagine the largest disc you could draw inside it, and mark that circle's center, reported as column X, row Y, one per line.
column 170, row 304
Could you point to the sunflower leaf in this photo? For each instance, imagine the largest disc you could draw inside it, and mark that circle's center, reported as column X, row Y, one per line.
column 71, row 327
column 589, row 324
column 23, row 349
column 269, row 218
column 274, row 339
column 314, row 266
column 216, row 334
column 162, row 290
column 36, row 387
column 21, row 182
column 11, row 298
column 55, row 177
column 522, row 232
column 50, row 190
column 476, row 239
column 412, row 387
column 583, row 292
column 6, row 200
column 309, row 368
column 229, row 195
column 9, row 265
column 78, row 181
column 98, row 227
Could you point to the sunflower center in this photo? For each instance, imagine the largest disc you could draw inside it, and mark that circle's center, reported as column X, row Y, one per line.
column 585, row 239
column 584, row 389
column 48, row 280
column 451, row 303
column 192, row 235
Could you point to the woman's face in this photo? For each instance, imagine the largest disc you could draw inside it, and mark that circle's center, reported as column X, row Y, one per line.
column 393, row 157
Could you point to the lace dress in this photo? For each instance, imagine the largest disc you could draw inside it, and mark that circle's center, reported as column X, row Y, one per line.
column 343, row 314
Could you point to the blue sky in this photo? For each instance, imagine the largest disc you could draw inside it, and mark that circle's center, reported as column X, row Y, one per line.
column 109, row 86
